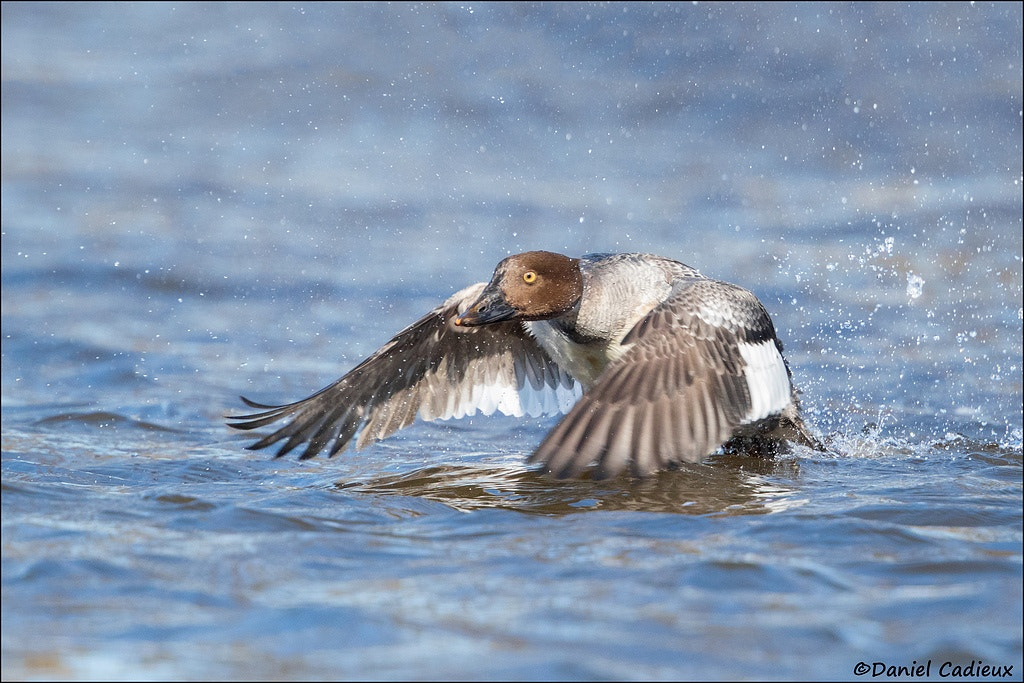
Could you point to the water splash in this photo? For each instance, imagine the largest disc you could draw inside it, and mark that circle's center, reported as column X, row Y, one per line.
column 915, row 285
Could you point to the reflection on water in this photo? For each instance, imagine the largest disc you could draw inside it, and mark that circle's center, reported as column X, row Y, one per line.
column 729, row 485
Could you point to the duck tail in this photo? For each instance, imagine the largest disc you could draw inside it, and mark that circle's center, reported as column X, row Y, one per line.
column 797, row 431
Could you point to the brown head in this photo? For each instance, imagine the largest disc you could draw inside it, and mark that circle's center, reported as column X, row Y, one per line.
column 534, row 285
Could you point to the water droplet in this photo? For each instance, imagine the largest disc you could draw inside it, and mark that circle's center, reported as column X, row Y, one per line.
column 915, row 284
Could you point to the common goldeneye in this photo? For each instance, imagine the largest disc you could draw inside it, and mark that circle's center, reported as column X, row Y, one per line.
column 653, row 363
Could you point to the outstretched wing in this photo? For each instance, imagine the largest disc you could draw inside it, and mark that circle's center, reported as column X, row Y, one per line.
column 702, row 364
column 433, row 369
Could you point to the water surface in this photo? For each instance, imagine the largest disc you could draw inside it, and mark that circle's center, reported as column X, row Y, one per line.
column 202, row 201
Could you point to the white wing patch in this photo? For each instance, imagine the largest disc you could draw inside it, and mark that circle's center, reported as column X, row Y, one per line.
column 495, row 389
column 767, row 380
column 548, row 401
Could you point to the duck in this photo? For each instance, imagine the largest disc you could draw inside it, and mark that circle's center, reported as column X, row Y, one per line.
column 652, row 364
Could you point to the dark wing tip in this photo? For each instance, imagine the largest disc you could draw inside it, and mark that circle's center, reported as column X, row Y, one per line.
column 267, row 414
column 254, row 404
column 262, row 407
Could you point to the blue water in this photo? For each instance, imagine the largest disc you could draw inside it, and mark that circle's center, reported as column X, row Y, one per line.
column 202, row 201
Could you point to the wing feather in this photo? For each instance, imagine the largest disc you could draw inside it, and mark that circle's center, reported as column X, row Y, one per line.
column 698, row 368
column 432, row 369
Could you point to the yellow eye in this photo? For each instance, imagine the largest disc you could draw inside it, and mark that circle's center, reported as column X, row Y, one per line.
column 529, row 277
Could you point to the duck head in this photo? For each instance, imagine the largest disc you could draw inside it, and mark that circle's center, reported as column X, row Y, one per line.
column 534, row 285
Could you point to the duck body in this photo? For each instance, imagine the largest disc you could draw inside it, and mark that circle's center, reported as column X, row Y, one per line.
column 653, row 363
column 618, row 291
